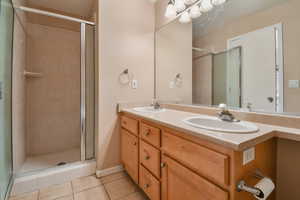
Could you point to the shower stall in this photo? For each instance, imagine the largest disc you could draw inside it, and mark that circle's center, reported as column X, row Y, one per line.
column 53, row 91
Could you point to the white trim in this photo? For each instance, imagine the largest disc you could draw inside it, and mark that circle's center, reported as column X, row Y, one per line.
column 51, row 14
column 35, row 180
column 279, row 60
column 112, row 170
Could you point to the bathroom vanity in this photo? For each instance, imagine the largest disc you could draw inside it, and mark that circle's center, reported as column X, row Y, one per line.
column 170, row 160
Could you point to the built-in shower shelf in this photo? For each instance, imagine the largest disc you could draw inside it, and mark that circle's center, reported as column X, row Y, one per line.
column 32, row 74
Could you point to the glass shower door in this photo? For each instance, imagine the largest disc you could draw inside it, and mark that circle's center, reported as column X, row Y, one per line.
column 227, row 78
column 6, row 35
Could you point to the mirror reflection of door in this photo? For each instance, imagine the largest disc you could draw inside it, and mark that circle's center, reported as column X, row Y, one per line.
column 260, row 81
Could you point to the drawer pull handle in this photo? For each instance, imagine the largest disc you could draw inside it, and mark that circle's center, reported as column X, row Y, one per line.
column 147, row 157
column 147, row 185
column 162, row 165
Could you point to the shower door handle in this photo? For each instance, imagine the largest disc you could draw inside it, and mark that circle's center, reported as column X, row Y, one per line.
column 1, row 92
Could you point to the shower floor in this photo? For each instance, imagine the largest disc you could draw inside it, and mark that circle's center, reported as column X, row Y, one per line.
column 50, row 160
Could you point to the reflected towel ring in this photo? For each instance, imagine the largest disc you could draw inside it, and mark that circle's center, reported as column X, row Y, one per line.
column 124, row 77
column 178, row 80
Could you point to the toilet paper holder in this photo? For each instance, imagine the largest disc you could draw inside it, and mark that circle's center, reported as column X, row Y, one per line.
column 242, row 186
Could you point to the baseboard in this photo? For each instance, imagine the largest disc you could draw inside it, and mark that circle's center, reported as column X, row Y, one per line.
column 112, row 170
column 34, row 181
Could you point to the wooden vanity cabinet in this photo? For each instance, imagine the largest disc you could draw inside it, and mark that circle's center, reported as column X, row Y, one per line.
column 130, row 153
column 179, row 182
column 172, row 165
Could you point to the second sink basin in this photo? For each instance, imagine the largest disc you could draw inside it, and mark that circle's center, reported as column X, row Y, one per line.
column 215, row 124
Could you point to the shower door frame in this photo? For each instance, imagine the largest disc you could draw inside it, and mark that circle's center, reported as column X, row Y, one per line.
column 82, row 92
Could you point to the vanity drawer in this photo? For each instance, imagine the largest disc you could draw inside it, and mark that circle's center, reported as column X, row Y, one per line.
column 150, row 134
column 130, row 124
column 150, row 158
column 207, row 163
column 149, row 184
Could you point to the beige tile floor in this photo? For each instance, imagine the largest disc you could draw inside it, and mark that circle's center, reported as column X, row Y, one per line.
column 117, row 186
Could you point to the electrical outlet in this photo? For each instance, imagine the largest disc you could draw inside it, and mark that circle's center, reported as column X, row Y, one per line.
column 248, row 155
column 293, row 83
column 171, row 84
column 134, row 84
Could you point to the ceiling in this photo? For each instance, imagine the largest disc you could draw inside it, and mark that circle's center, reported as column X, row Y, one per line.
column 80, row 8
column 231, row 10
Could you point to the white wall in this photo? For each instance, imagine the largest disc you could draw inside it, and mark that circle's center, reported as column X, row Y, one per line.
column 126, row 40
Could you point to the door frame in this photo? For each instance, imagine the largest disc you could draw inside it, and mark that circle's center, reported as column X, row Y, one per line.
column 279, row 62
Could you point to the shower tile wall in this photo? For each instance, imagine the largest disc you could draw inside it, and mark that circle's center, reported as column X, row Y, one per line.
column 53, row 101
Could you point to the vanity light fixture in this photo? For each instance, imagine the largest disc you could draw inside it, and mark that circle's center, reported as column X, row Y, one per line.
column 195, row 12
column 218, row 2
column 189, row 2
column 180, row 5
column 206, row 6
column 185, row 17
column 171, row 11
column 188, row 9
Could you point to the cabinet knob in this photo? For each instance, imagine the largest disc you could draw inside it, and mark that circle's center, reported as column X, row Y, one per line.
column 147, row 185
column 162, row 165
column 135, row 143
column 147, row 157
column 147, row 132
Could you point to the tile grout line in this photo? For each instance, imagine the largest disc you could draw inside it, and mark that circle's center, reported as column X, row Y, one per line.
column 73, row 192
column 106, row 192
column 114, row 180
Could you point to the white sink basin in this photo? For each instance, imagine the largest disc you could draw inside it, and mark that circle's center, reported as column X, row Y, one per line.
column 215, row 124
column 149, row 109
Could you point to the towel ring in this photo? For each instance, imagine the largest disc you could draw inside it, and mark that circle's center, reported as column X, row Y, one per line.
column 124, row 77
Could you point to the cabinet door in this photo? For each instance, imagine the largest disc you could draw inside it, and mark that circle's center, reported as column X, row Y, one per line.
column 178, row 182
column 129, row 154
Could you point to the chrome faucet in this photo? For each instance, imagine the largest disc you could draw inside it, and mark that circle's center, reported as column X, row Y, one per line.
column 225, row 115
column 156, row 104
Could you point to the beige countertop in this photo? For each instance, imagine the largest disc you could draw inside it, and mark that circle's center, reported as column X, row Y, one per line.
column 173, row 119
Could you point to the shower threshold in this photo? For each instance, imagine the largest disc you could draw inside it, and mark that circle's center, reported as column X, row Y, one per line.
column 45, row 161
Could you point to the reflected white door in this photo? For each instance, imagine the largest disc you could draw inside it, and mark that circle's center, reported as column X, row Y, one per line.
column 258, row 68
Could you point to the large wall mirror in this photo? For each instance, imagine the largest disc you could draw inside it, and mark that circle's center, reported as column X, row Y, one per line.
column 244, row 53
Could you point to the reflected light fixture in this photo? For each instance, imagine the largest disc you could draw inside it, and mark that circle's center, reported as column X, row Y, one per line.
column 189, row 2
column 185, row 17
column 171, row 11
column 190, row 9
column 206, row 6
column 218, row 2
column 179, row 5
column 195, row 12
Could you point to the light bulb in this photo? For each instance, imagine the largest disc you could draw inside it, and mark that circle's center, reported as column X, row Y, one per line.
column 218, row 2
column 189, row 2
column 179, row 5
column 170, row 11
column 206, row 6
column 185, row 18
column 195, row 12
